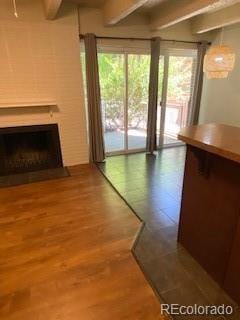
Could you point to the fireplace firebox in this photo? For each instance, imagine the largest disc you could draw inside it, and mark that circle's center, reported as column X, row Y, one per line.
column 29, row 148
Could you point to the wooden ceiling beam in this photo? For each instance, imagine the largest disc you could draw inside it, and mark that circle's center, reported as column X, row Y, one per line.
column 115, row 11
column 215, row 20
column 51, row 8
column 174, row 11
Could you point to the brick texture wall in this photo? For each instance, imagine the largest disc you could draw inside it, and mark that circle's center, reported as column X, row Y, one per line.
column 39, row 61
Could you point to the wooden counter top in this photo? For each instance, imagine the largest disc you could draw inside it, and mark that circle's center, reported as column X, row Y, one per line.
column 219, row 139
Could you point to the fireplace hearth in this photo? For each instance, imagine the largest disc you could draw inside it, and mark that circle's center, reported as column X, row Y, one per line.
column 29, row 149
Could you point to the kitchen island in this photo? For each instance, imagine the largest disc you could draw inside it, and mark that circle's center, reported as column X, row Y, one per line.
column 209, row 225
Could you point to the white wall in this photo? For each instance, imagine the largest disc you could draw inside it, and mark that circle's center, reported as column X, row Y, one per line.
column 221, row 97
column 40, row 60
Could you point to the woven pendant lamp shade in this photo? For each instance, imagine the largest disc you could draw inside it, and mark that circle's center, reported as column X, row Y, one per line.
column 219, row 61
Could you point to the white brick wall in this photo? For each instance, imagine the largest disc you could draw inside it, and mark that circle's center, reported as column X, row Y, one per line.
column 39, row 61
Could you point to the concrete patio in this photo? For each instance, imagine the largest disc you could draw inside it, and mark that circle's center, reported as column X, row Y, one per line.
column 114, row 140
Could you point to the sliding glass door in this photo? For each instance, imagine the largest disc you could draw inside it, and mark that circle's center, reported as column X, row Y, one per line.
column 175, row 104
column 124, row 79
column 137, row 100
column 112, row 82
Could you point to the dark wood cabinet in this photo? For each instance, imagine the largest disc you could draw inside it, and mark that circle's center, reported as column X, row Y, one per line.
column 232, row 279
column 210, row 209
column 210, row 213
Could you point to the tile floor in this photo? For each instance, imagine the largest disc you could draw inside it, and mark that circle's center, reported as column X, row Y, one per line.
column 152, row 187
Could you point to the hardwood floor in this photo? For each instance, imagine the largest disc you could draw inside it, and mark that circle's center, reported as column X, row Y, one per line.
column 65, row 252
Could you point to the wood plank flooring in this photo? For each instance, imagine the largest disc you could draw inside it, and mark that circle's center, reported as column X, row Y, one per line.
column 65, row 252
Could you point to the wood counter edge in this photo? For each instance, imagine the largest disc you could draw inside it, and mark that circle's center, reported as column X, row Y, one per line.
column 225, row 153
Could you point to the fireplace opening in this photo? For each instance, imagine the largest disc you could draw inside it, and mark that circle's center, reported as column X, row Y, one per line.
column 29, row 149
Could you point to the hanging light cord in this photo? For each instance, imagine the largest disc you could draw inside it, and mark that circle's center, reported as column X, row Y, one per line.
column 221, row 36
column 15, row 8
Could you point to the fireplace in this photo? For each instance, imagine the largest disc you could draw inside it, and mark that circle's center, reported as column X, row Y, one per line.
column 29, row 149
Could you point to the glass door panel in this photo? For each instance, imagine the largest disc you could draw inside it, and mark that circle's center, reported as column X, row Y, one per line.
column 138, row 66
column 179, row 90
column 112, row 83
column 160, row 116
column 124, row 81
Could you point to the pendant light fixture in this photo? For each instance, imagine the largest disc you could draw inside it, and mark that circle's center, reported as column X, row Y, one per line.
column 219, row 61
column 15, row 8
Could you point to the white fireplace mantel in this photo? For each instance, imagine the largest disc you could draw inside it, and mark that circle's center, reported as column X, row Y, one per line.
column 38, row 104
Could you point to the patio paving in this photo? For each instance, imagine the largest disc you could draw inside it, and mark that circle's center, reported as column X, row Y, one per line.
column 114, row 141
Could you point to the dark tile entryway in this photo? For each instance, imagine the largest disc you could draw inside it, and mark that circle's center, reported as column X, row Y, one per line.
column 152, row 186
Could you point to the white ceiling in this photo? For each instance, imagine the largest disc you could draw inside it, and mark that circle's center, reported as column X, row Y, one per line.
column 89, row 3
column 163, row 13
column 222, row 4
column 151, row 5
